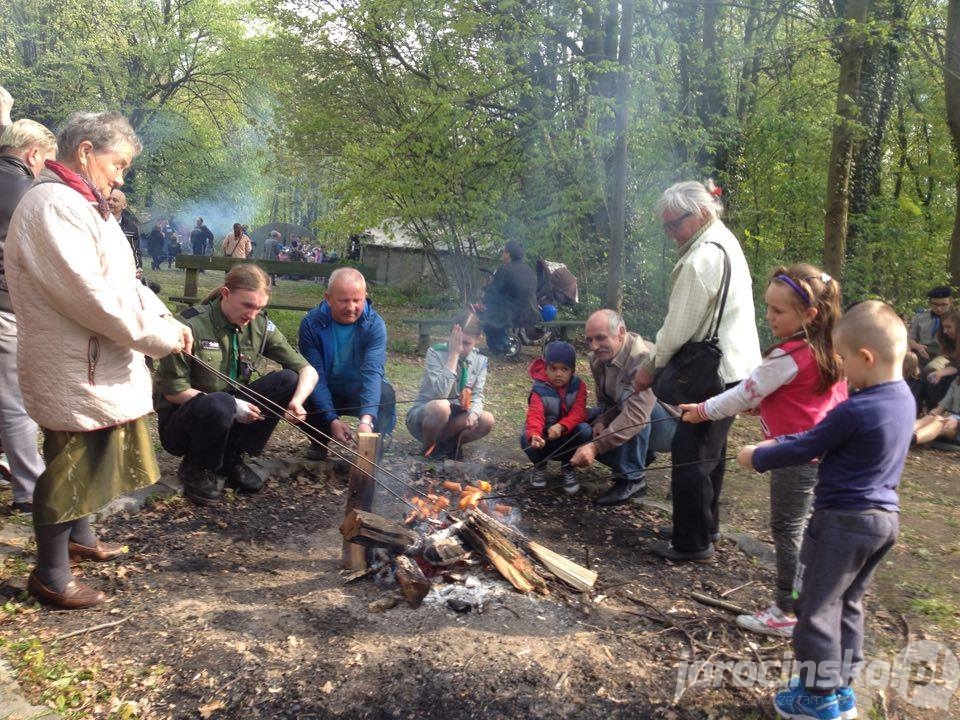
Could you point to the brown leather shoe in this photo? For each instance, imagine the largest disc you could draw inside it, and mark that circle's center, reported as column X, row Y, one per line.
column 101, row 552
column 75, row 595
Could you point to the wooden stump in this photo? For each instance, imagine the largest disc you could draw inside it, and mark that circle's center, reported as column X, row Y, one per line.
column 360, row 496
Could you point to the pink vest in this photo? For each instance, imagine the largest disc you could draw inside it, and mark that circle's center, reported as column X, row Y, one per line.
column 797, row 406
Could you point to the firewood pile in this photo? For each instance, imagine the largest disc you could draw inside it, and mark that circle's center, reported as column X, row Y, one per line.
column 417, row 556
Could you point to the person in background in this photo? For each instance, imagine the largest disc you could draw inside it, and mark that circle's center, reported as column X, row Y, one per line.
column 86, row 335
column 510, row 300
column 556, row 423
column 690, row 213
column 156, row 245
column 861, row 444
column 448, row 412
column 345, row 340
column 201, row 238
column 236, row 244
column 24, row 147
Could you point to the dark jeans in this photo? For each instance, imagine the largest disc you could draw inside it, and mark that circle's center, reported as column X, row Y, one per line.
column 561, row 449
column 204, row 432
column 496, row 338
column 696, row 481
column 349, row 404
column 840, row 553
column 629, row 460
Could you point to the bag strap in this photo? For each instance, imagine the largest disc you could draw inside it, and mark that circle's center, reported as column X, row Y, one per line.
column 713, row 332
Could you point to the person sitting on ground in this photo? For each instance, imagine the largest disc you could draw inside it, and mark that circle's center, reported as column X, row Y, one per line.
column 210, row 414
column 861, row 444
column 448, row 412
column 236, row 243
column 939, row 373
column 556, row 415
column 625, row 425
column 345, row 340
column 24, row 147
column 942, row 421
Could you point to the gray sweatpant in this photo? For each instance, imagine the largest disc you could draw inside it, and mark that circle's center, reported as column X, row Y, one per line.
column 17, row 431
column 791, row 494
column 841, row 550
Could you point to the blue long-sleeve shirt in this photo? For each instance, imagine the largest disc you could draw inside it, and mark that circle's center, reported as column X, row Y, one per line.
column 862, row 444
column 370, row 350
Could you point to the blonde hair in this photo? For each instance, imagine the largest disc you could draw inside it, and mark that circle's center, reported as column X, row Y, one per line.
column 25, row 134
column 245, row 276
column 874, row 325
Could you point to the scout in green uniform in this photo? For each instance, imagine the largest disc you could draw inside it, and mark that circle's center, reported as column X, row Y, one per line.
column 201, row 417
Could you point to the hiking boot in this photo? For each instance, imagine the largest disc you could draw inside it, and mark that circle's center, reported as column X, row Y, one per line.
column 771, row 621
column 538, row 477
column 240, row 477
column 571, row 486
column 622, row 490
column 200, row 485
column 797, row 702
column 667, row 551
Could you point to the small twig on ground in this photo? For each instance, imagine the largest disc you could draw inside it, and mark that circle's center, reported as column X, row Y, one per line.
column 733, row 590
column 723, row 605
column 92, row 628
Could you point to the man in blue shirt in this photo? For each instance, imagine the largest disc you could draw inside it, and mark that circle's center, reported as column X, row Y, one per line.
column 345, row 340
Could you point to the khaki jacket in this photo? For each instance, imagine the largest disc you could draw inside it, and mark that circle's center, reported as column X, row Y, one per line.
column 624, row 413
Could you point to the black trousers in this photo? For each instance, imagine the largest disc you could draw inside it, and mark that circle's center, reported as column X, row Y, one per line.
column 203, row 431
column 349, row 404
column 696, row 486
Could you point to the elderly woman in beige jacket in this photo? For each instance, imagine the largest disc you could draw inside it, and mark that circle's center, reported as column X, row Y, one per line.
column 86, row 323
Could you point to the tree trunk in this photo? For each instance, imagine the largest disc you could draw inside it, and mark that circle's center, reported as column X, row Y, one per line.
column 951, row 75
column 618, row 190
column 841, row 148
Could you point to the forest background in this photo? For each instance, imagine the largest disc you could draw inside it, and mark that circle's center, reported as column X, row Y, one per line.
column 833, row 128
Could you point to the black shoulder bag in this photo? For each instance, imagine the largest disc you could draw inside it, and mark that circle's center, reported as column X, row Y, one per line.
column 693, row 374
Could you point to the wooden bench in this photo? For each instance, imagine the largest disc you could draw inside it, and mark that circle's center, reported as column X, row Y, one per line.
column 426, row 326
column 193, row 264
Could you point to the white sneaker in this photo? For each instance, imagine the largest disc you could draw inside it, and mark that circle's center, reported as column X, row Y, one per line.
column 5, row 475
column 771, row 621
column 571, row 485
column 538, row 478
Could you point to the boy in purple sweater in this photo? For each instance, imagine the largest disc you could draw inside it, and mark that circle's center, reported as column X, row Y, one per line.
column 862, row 444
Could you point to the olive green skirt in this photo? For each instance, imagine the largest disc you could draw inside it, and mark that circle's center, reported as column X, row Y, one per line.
column 86, row 470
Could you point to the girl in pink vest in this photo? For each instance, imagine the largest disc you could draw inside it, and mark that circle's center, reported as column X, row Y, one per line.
column 796, row 385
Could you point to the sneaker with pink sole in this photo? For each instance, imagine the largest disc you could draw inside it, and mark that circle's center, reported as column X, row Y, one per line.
column 772, row 621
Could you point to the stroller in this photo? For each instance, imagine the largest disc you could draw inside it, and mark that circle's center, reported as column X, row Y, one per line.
column 556, row 288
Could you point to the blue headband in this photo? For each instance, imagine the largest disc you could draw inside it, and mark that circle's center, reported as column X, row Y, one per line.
column 796, row 287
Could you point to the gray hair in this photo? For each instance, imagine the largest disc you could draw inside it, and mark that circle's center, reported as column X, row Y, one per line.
column 347, row 274
column 614, row 320
column 104, row 130
column 24, row 134
column 687, row 197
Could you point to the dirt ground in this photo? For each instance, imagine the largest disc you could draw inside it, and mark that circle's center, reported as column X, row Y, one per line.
column 241, row 611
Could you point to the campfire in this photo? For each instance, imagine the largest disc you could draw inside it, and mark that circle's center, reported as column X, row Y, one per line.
column 449, row 524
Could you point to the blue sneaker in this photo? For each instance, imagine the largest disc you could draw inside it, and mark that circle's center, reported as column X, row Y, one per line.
column 847, row 703
column 796, row 702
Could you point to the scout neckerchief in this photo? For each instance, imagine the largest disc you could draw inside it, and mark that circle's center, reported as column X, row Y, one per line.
column 234, row 352
column 466, row 394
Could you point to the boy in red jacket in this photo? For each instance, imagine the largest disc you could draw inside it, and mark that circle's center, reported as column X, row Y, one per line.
column 556, row 415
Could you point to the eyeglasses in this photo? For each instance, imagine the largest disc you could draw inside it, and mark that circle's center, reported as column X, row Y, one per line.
column 673, row 225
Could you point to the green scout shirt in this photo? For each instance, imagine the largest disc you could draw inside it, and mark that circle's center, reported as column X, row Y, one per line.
column 213, row 342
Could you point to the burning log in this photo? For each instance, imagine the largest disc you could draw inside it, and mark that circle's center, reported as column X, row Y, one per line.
column 360, row 495
column 372, row 530
column 576, row 576
column 411, row 579
column 480, row 531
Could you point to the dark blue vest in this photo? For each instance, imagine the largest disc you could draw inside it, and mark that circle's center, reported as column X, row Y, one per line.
column 551, row 399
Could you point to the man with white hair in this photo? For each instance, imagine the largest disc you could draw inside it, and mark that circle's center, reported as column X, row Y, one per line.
column 345, row 340
column 24, row 147
column 690, row 214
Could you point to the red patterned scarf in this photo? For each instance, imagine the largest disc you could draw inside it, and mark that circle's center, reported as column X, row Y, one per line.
column 81, row 185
